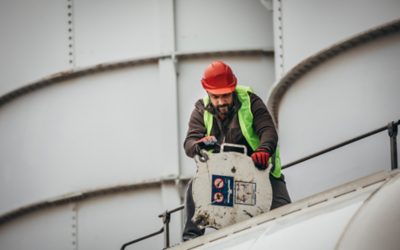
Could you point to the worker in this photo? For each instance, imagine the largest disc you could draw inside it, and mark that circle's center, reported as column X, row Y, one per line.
column 230, row 113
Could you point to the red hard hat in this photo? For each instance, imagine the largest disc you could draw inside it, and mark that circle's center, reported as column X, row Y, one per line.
column 218, row 78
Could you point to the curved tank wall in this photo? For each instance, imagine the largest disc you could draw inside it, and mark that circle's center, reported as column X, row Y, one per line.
column 83, row 134
column 354, row 96
column 104, row 222
column 306, row 27
column 26, row 26
column 345, row 96
column 97, row 96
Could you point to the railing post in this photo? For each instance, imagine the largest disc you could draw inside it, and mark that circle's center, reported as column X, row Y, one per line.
column 393, row 130
column 166, row 218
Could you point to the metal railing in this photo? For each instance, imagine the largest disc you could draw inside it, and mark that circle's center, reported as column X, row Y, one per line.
column 391, row 127
column 166, row 216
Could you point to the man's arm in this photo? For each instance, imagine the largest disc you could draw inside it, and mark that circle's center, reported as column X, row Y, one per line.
column 263, row 124
column 196, row 130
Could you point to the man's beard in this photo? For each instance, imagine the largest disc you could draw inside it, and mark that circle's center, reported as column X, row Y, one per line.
column 224, row 109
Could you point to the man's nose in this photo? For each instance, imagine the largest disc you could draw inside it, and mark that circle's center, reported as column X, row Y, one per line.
column 221, row 101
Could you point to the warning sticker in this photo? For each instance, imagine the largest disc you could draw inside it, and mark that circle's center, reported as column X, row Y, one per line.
column 245, row 193
column 222, row 190
column 218, row 197
column 219, row 183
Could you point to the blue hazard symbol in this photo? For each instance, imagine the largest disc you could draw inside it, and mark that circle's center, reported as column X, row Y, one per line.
column 222, row 190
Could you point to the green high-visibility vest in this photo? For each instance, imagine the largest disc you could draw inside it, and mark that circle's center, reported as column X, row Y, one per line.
column 246, row 125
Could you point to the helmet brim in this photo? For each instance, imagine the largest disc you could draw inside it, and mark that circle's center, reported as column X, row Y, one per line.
column 221, row 91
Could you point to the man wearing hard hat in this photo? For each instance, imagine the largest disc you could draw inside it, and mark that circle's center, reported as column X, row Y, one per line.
column 232, row 114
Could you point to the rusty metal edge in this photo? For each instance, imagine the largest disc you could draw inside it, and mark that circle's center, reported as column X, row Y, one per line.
column 104, row 67
column 86, row 195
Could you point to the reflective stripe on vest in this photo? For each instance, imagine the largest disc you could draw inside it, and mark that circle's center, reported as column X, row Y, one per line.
column 246, row 124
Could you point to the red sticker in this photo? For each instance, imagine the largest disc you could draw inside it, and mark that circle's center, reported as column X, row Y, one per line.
column 218, row 197
column 219, row 183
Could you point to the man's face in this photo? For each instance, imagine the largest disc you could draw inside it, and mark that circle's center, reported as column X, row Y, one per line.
column 222, row 102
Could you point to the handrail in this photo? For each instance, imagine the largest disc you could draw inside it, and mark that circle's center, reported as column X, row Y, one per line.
column 142, row 238
column 166, row 219
column 391, row 127
column 339, row 145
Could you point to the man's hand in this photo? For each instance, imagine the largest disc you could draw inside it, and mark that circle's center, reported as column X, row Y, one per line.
column 260, row 158
column 207, row 141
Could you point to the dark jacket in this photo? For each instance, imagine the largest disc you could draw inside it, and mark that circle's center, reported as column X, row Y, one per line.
column 228, row 131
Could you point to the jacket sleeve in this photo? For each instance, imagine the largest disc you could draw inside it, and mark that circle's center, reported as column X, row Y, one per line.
column 263, row 124
column 196, row 130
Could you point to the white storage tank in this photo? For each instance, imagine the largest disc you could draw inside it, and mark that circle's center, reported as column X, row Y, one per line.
column 95, row 98
column 339, row 80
